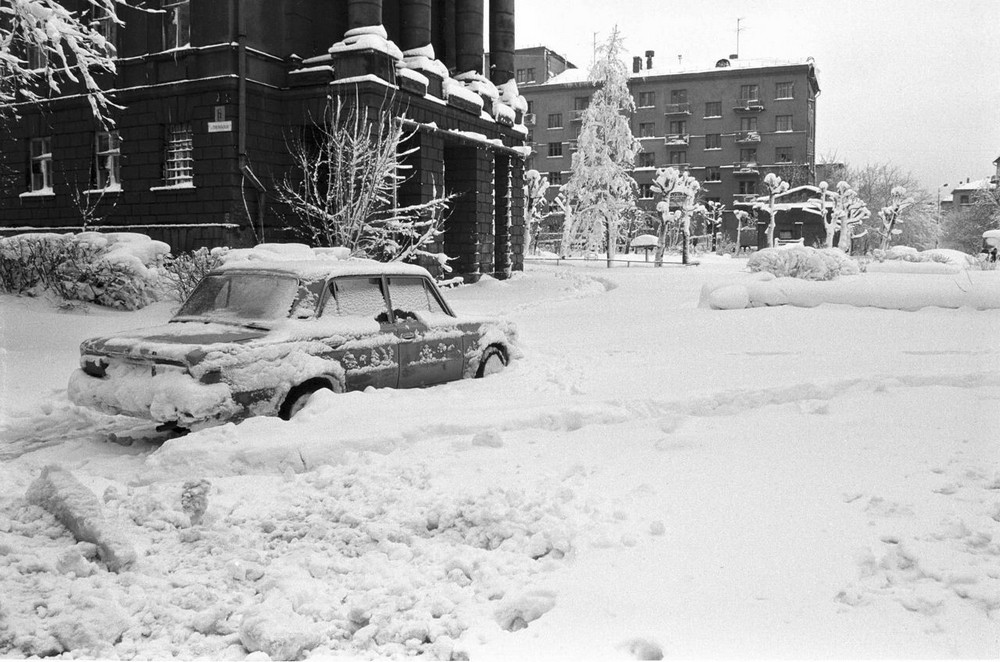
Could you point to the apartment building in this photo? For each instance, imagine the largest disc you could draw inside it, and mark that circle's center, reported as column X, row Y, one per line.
column 728, row 125
column 214, row 91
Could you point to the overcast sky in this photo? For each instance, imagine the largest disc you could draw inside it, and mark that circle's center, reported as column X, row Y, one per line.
column 912, row 82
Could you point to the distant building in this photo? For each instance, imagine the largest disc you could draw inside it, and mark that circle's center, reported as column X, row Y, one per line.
column 729, row 124
column 213, row 92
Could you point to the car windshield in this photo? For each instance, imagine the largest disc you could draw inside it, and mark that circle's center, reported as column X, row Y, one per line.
column 240, row 298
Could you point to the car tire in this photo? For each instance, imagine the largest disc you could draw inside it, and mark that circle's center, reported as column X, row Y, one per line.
column 298, row 397
column 494, row 360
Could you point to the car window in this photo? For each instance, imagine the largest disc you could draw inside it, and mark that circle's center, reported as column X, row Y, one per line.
column 357, row 297
column 239, row 296
column 411, row 295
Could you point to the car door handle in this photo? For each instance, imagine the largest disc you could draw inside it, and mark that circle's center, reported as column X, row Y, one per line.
column 407, row 335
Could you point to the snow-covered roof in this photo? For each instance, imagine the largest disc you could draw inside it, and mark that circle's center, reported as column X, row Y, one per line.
column 571, row 76
column 305, row 262
column 974, row 185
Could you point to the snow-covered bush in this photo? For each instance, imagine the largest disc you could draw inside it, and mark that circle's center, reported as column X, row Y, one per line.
column 180, row 274
column 803, row 262
column 116, row 269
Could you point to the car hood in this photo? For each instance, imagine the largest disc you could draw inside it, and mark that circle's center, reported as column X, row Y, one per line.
column 171, row 342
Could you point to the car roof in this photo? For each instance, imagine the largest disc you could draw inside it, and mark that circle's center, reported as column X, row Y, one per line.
column 311, row 264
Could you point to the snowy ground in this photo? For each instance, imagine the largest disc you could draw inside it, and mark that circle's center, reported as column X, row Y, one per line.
column 650, row 476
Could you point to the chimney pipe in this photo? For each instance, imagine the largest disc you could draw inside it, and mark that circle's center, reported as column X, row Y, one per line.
column 649, row 59
column 636, row 64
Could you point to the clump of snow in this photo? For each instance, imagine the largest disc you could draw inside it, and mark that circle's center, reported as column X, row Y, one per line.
column 412, row 74
column 194, row 499
column 453, row 88
column 510, row 95
column 489, row 438
column 275, row 629
column 517, row 611
column 480, row 84
column 59, row 492
column 642, row 649
column 424, row 59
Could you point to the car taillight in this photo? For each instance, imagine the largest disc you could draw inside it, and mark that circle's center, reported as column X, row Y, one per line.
column 93, row 366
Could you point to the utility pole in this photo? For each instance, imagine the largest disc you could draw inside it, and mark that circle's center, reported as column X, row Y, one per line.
column 738, row 31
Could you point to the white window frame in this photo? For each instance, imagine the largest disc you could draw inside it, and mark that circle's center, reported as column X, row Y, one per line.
column 107, row 161
column 178, row 162
column 177, row 24
column 40, row 151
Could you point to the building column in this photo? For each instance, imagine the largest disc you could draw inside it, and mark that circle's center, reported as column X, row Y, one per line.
column 469, row 24
column 415, row 24
column 363, row 13
column 501, row 41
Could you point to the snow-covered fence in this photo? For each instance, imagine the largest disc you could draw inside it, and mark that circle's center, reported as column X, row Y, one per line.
column 116, row 269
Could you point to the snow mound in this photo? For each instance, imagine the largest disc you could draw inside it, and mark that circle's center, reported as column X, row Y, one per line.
column 803, row 262
column 60, row 493
column 275, row 629
column 516, row 612
column 642, row 649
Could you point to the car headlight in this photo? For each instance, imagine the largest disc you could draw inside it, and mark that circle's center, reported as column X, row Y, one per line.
column 94, row 366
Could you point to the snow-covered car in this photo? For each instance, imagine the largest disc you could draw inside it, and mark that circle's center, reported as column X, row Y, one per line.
column 260, row 336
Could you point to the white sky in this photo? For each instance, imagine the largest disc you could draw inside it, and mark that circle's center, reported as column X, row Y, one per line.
column 912, row 82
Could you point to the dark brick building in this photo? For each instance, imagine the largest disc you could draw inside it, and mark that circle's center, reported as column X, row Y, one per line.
column 214, row 89
column 728, row 125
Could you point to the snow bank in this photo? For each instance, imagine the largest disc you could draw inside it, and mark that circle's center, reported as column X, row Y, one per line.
column 803, row 262
column 60, row 493
column 893, row 291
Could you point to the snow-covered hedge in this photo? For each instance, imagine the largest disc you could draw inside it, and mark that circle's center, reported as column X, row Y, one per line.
column 803, row 262
column 181, row 273
column 117, row 269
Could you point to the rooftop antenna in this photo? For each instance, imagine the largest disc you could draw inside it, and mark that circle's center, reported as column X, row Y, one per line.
column 738, row 31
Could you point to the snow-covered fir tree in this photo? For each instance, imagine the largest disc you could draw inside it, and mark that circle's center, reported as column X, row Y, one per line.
column 600, row 188
column 44, row 45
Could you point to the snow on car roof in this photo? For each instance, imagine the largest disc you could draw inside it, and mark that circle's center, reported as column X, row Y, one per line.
column 307, row 262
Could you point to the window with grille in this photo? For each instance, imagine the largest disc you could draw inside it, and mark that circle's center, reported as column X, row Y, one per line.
column 107, row 160
column 41, row 164
column 178, row 168
column 713, row 141
column 783, row 123
column 713, row 109
column 177, row 24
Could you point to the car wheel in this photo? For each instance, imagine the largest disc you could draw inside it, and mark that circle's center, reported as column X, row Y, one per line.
column 298, row 397
column 493, row 361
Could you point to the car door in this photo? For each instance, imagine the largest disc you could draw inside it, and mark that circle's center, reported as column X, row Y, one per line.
column 428, row 353
column 353, row 306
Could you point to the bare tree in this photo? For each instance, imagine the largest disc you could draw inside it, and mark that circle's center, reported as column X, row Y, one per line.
column 891, row 214
column 773, row 186
column 44, row 43
column 344, row 186
column 536, row 207
column 963, row 227
column 919, row 223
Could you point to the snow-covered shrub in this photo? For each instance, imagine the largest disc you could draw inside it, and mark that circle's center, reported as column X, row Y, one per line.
column 803, row 262
column 181, row 273
column 115, row 269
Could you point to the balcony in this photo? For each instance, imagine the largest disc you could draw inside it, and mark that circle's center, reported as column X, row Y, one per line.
column 677, row 109
column 530, row 119
column 746, row 137
column 746, row 168
column 576, row 115
column 573, row 145
column 744, row 198
column 748, row 105
column 677, row 139
column 680, row 166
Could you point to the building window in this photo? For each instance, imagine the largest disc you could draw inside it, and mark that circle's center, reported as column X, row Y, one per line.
column 784, row 90
column 748, row 123
column 38, row 57
column 713, row 109
column 531, row 107
column 647, row 99
column 526, row 75
column 713, row 174
column 678, row 126
column 750, row 92
column 783, row 123
column 647, row 129
column 41, row 164
column 647, row 160
column 555, row 120
column 679, row 156
column 531, row 137
column 178, row 167
column 555, row 178
column 963, row 199
column 645, row 191
column 177, row 24
column 555, row 149
column 748, row 187
column 104, row 24
column 784, row 155
column 678, row 96
column 107, row 160
column 748, row 155
column 581, row 103
column 713, row 141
